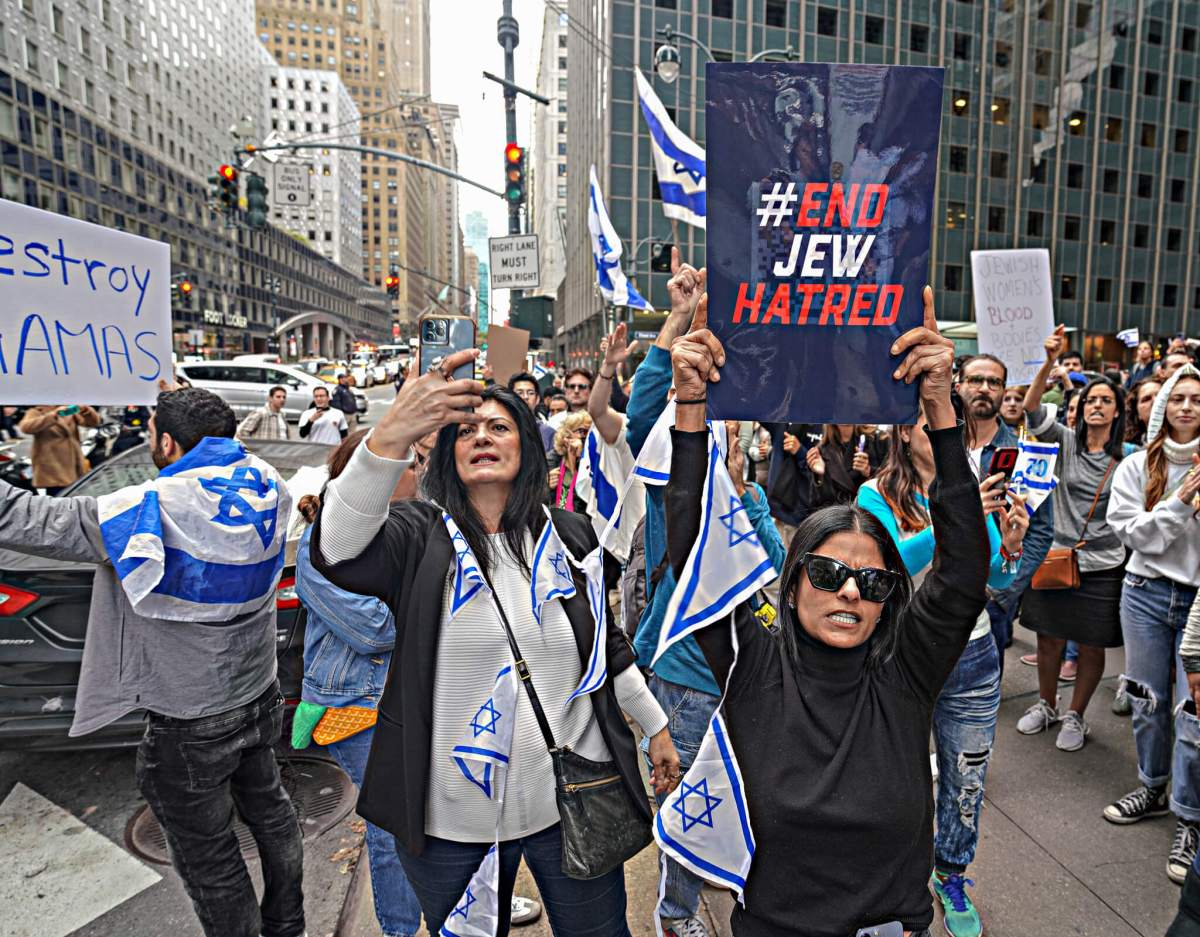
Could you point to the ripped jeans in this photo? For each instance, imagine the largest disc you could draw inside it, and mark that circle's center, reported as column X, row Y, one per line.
column 964, row 727
column 1153, row 613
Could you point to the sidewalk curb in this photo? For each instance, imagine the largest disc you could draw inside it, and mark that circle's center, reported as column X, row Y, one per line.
column 357, row 905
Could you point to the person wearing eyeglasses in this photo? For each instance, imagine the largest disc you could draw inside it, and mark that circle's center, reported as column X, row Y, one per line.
column 577, row 387
column 964, row 717
column 830, row 719
column 526, row 387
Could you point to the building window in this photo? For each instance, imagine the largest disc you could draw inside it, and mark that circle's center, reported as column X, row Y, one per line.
column 918, row 38
column 1003, row 56
column 1174, row 239
column 1145, row 185
column 1077, row 124
column 1116, row 77
column 31, row 56
column 1103, row 290
column 1141, row 235
column 1154, row 32
column 960, row 102
column 1041, row 117
column 1108, row 232
column 665, row 4
column 1000, row 111
column 1149, row 135
column 1170, row 295
column 962, row 46
column 723, row 9
column 1185, row 91
column 1035, row 224
column 1112, row 181
column 776, row 13
column 1042, row 58
column 958, row 159
column 998, row 164
column 1150, row 83
column 1075, row 175
column 1183, row 140
column 873, row 30
column 57, row 22
column 1083, row 13
column 827, row 21
column 1137, row 292
column 1071, row 228
column 996, row 218
column 1113, row 129
column 1067, row 290
column 952, row 277
column 956, row 215
column 85, row 42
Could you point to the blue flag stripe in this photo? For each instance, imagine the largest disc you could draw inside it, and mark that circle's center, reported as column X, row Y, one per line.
column 650, row 473
column 673, row 194
column 487, row 752
column 738, row 797
column 185, row 577
column 722, row 599
column 731, row 877
column 606, row 495
column 660, row 136
column 208, row 452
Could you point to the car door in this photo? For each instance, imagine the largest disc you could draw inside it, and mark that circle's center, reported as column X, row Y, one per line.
column 247, row 388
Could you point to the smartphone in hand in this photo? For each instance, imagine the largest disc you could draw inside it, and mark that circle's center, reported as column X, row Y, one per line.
column 441, row 335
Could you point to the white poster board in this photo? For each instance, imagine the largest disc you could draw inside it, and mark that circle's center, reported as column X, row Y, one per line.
column 1014, row 307
column 85, row 311
column 513, row 262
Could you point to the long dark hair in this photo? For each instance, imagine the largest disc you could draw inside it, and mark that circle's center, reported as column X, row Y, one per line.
column 810, row 535
column 523, row 512
column 1115, row 445
column 1135, row 428
column 899, row 482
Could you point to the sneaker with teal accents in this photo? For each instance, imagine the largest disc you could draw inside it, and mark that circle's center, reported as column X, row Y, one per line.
column 962, row 920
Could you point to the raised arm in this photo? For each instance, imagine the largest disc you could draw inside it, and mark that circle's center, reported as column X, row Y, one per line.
column 607, row 420
column 1055, row 345
column 57, row 528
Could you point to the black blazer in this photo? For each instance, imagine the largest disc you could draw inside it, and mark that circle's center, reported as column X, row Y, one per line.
column 406, row 566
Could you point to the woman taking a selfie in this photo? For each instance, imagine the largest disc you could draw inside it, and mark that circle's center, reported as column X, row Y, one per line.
column 488, row 472
column 1062, row 609
column 830, row 719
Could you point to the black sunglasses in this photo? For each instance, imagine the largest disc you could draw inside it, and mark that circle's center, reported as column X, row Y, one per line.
column 579, row 387
column 829, row 575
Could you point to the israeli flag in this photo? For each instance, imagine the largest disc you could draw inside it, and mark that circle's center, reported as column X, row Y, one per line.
column 653, row 464
column 606, row 254
column 614, row 515
column 477, row 913
column 678, row 160
column 487, row 739
column 551, row 577
column 1130, row 337
column 468, row 574
column 1033, row 475
column 202, row 541
column 704, row 825
column 596, row 672
column 727, row 562
column 539, row 372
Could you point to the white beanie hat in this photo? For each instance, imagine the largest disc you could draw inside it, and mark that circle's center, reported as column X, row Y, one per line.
column 1158, row 412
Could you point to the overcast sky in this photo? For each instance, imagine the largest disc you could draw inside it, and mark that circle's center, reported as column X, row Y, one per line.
column 463, row 39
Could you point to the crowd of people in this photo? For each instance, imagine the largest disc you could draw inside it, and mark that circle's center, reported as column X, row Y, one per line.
column 446, row 656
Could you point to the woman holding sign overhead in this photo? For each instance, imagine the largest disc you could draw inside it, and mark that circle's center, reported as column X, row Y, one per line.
column 1076, row 593
column 829, row 720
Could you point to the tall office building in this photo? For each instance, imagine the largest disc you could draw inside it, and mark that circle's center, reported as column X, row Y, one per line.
column 475, row 236
column 116, row 111
column 547, row 156
column 301, row 102
column 1067, row 125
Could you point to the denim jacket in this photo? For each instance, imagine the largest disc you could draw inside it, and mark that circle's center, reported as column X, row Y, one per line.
column 348, row 639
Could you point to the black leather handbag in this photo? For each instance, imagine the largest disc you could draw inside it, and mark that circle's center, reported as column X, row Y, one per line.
column 601, row 825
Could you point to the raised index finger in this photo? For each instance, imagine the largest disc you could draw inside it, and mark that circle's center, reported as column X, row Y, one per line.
column 930, row 312
column 700, row 317
column 675, row 263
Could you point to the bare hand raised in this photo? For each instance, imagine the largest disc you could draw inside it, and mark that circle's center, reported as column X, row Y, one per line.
column 930, row 360
column 426, row 404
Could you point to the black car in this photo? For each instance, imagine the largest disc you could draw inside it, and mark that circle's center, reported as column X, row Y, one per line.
column 44, row 613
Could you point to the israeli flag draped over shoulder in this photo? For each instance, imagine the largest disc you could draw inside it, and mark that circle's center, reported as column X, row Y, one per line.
column 606, row 254
column 601, row 470
column 203, row 541
column 678, row 159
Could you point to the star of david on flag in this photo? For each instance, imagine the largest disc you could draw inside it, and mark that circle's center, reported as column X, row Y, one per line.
column 486, row 741
column 704, row 824
column 726, row 564
column 201, row 542
column 678, row 160
column 477, row 912
column 606, row 254
column 468, row 574
column 551, row 577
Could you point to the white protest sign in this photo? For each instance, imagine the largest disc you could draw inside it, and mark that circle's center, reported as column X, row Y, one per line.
column 514, row 262
column 85, row 311
column 1014, row 308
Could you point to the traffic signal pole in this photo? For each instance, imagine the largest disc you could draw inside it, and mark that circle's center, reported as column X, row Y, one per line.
column 508, row 34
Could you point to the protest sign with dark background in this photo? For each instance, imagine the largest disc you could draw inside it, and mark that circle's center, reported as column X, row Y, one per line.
column 820, row 197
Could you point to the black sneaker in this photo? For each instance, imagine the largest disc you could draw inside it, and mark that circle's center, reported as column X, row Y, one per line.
column 1137, row 805
column 1183, row 851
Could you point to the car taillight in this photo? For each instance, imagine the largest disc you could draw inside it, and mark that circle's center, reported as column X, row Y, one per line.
column 14, row 600
column 285, row 593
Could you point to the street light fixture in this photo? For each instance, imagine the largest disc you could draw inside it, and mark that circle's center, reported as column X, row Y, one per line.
column 666, row 58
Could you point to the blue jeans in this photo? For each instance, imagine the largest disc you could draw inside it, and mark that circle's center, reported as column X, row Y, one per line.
column 688, row 714
column 1153, row 613
column 396, row 905
column 592, row 908
column 964, row 727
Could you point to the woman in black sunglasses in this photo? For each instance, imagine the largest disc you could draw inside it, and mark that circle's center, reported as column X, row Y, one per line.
column 830, row 720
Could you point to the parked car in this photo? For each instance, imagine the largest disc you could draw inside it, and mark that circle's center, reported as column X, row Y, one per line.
column 311, row 365
column 244, row 385
column 44, row 614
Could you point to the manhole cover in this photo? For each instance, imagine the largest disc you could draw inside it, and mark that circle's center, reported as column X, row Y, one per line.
column 321, row 793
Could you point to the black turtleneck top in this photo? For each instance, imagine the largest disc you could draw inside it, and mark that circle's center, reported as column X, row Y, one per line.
column 835, row 754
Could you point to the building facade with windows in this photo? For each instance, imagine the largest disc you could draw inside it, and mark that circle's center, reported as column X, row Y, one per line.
column 546, row 158
column 1068, row 125
column 303, row 102
column 475, row 237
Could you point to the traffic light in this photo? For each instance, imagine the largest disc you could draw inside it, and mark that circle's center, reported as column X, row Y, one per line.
column 660, row 258
column 514, row 174
column 225, row 188
column 392, row 284
column 181, row 289
column 256, row 201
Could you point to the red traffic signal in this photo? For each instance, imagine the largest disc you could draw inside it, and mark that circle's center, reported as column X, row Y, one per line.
column 513, row 153
column 227, row 172
column 186, row 287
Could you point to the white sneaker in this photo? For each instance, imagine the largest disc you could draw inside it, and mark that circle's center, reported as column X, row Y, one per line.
column 1038, row 718
column 1074, row 732
column 524, row 911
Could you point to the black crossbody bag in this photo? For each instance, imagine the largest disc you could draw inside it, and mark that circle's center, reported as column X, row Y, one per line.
column 601, row 825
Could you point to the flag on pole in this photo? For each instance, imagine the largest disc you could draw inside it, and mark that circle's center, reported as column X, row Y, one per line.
column 678, row 160
column 1130, row 337
column 704, row 825
column 1033, row 475
column 477, row 913
column 606, row 254
column 727, row 562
